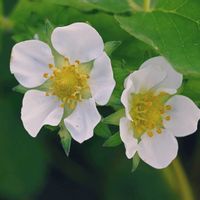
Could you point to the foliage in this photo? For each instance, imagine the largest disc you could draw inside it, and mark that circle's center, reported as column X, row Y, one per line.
column 132, row 33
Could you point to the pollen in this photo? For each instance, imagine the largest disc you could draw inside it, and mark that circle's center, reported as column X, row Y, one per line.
column 69, row 83
column 45, row 75
column 168, row 107
column 168, row 118
column 148, row 111
column 50, row 66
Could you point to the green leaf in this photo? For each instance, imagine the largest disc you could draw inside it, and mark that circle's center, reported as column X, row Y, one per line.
column 165, row 30
column 21, row 89
column 114, row 6
column 113, row 141
column 192, row 89
column 135, row 162
column 114, row 118
column 1, row 8
column 111, row 46
column 65, row 138
column 102, row 130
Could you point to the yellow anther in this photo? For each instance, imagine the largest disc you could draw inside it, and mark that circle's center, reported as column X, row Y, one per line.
column 62, row 105
column 147, row 111
column 149, row 103
column 168, row 107
column 66, row 59
column 150, row 133
column 45, row 75
column 50, row 66
column 77, row 62
column 159, row 131
column 46, row 94
column 69, row 84
column 168, row 118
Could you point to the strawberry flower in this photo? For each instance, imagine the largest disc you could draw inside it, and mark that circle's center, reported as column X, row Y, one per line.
column 65, row 82
column 154, row 114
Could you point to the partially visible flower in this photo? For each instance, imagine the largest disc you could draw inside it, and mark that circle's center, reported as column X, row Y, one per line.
column 154, row 115
column 71, row 80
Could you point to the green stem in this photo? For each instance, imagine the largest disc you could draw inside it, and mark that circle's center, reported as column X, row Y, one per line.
column 134, row 6
column 147, row 5
column 177, row 179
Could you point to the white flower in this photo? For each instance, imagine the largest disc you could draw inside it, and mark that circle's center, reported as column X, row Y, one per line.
column 154, row 115
column 70, row 83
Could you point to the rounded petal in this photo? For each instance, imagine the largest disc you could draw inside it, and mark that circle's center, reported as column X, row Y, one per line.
column 138, row 81
column 126, row 134
column 78, row 41
column 184, row 116
column 172, row 80
column 101, row 80
column 159, row 150
column 83, row 120
column 29, row 61
column 147, row 78
column 38, row 110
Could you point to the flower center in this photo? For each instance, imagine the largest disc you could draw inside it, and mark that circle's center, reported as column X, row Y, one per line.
column 69, row 83
column 148, row 112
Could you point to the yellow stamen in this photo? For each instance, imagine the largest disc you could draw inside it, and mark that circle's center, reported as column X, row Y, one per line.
column 69, row 83
column 168, row 107
column 77, row 62
column 150, row 133
column 159, row 131
column 168, row 118
column 45, row 75
column 147, row 112
column 50, row 66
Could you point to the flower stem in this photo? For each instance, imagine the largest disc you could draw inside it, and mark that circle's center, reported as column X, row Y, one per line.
column 134, row 6
column 146, row 5
column 178, row 181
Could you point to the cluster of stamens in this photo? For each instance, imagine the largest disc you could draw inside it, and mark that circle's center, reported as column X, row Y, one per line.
column 69, row 83
column 148, row 111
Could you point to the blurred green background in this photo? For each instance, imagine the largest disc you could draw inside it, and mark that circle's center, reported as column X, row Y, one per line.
column 37, row 168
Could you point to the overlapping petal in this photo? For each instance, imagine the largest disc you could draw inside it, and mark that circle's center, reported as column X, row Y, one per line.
column 29, row 61
column 83, row 120
column 78, row 41
column 147, row 78
column 101, row 80
column 39, row 110
column 126, row 134
column 159, row 150
column 173, row 79
column 139, row 81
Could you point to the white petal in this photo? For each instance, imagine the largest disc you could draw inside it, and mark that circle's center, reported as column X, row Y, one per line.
column 172, row 80
column 101, row 80
column 126, row 134
column 83, row 120
column 138, row 81
column 126, row 96
column 78, row 41
column 29, row 61
column 167, row 90
column 184, row 116
column 159, row 150
column 147, row 78
column 38, row 110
